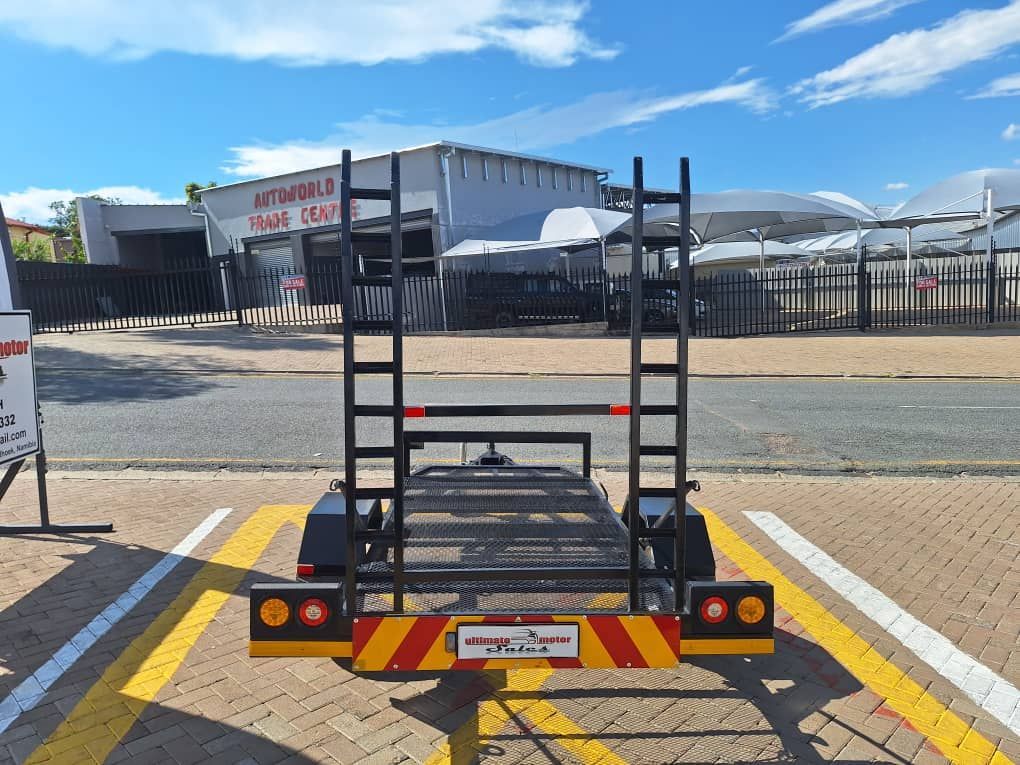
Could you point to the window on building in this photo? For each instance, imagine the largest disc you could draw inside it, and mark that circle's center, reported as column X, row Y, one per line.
column 570, row 181
column 584, row 182
column 554, row 181
column 485, row 168
column 463, row 165
column 506, row 171
column 524, row 174
column 538, row 175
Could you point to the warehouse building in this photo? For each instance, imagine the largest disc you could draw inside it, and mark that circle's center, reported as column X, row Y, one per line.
column 450, row 192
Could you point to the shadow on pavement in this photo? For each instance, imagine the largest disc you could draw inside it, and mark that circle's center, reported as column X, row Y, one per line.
column 37, row 624
column 78, row 386
column 814, row 678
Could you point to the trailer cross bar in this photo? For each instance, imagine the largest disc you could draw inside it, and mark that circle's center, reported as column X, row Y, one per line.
column 416, row 439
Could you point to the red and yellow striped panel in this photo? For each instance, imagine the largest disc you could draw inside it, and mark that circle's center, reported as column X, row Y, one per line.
column 403, row 643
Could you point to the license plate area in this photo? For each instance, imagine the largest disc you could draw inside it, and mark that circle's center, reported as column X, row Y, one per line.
column 557, row 640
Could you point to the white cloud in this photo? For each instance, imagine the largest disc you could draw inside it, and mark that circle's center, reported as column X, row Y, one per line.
column 998, row 88
column 531, row 129
column 1011, row 132
column 912, row 61
column 897, row 186
column 841, row 13
column 33, row 204
column 310, row 32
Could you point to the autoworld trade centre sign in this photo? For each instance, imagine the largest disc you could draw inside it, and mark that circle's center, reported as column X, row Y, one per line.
column 19, row 410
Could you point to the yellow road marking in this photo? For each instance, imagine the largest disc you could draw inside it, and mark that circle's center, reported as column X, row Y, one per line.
column 114, row 702
column 957, row 741
column 514, row 701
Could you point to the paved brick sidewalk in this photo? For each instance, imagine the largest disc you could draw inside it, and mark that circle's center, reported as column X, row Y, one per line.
column 927, row 352
column 945, row 550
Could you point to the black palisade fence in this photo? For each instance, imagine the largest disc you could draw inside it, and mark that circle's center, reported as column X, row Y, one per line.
column 726, row 303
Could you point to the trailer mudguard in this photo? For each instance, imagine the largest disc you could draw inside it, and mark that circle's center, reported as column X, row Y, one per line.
column 324, row 542
column 699, row 563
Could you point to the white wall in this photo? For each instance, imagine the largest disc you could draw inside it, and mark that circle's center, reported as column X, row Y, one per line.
column 274, row 206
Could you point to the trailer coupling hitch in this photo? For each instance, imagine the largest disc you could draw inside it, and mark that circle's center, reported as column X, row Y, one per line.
column 338, row 484
column 690, row 486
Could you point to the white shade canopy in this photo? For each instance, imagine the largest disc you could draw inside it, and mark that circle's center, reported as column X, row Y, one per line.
column 879, row 237
column 965, row 193
column 562, row 228
column 722, row 252
column 774, row 214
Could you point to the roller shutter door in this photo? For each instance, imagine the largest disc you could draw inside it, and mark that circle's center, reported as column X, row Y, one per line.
column 270, row 261
column 276, row 255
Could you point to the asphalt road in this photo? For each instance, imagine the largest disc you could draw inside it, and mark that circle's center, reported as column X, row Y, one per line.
column 249, row 422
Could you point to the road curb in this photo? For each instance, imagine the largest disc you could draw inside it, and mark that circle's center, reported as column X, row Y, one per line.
column 620, row 375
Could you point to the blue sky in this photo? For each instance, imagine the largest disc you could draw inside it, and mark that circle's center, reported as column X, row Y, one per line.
column 873, row 98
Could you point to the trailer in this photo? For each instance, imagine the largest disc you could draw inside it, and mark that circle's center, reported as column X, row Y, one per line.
column 491, row 564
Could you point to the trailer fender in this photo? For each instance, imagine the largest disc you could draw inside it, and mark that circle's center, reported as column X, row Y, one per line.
column 699, row 561
column 324, row 542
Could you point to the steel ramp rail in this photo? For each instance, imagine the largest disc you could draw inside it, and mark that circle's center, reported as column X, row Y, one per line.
column 678, row 449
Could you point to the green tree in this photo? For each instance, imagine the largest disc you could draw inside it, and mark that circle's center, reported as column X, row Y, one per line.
column 65, row 223
column 39, row 250
column 191, row 190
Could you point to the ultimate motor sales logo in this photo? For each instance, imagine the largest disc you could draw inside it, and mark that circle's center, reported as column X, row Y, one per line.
column 519, row 641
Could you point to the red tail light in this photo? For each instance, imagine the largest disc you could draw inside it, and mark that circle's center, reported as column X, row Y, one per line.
column 619, row 409
column 305, row 569
column 714, row 610
column 414, row 411
column 313, row 612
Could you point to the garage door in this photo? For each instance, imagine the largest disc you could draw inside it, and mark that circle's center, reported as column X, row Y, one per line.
column 276, row 255
column 269, row 262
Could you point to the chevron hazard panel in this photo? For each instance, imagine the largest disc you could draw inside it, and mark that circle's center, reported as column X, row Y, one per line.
column 407, row 643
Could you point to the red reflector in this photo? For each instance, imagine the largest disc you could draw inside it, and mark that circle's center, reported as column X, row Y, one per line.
column 414, row 411
column 617, row 409
column 313, row 612
column 714, row 610
column 305, row 569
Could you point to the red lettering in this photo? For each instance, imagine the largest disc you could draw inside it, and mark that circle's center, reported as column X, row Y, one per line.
column 313, row 213
column 330, row 187
column 285, row 219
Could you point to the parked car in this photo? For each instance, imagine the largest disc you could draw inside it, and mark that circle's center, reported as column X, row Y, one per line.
column 506, row 300
column 660, row 306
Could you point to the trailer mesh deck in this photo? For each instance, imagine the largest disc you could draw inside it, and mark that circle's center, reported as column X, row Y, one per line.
column 468, row 517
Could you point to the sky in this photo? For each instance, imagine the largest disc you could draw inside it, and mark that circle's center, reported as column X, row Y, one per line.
column 873, row 98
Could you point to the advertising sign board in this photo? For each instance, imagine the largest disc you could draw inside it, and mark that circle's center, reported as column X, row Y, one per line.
column 19, row 408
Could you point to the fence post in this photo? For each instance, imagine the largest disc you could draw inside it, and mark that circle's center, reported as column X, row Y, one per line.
column 863, row 306
column 992, row 274
column 235, row 283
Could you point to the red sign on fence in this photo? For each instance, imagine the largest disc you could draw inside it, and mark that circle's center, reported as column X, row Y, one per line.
column 922, row 283
column 292, row 283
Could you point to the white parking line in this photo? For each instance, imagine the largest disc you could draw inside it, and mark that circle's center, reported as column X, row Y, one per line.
column 30, row 691
column 994, row 694
column 948, row 406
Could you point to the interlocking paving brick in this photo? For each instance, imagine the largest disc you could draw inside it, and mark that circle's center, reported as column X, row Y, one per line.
column 903, row 536
column 991, row 352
